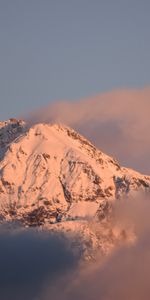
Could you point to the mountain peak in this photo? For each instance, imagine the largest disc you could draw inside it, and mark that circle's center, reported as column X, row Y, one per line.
column 50, row 171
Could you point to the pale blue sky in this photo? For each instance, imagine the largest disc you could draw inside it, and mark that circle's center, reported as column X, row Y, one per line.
column 68, row 49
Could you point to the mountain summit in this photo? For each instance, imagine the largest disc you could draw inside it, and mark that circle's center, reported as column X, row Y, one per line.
column 50, row 173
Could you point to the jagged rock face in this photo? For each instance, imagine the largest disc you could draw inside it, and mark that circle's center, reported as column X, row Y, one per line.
column 49, row 171
column 9, row 131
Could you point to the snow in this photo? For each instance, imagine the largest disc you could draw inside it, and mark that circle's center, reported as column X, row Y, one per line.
column 52, row 166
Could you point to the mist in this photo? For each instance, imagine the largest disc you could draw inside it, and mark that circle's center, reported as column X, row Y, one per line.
column 117, row 122
column 125, row 273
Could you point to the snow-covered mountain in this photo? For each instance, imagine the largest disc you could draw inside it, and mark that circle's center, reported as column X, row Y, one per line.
column 53, row 171
column 49, row 174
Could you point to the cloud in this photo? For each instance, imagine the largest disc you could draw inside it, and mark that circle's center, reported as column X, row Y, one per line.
column 124, row 274
column 117, row 122
column 29, row 259
column 41, row 265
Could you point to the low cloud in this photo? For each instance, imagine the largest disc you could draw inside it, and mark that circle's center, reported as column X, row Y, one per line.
column 117, row 122
column 124, row 274
column 29, row 260
column 41, row 265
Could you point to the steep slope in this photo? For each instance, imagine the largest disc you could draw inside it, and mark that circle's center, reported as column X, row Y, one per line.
column 50, row 173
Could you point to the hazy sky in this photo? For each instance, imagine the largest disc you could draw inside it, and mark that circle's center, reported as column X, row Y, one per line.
column 69, row 49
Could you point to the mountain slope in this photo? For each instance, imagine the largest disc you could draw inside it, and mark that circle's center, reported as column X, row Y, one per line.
column 50, row 173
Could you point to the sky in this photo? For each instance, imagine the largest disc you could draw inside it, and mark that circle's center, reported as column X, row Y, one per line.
column 53, row 49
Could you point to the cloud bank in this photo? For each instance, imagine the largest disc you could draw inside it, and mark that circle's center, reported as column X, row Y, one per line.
column 117, row 122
